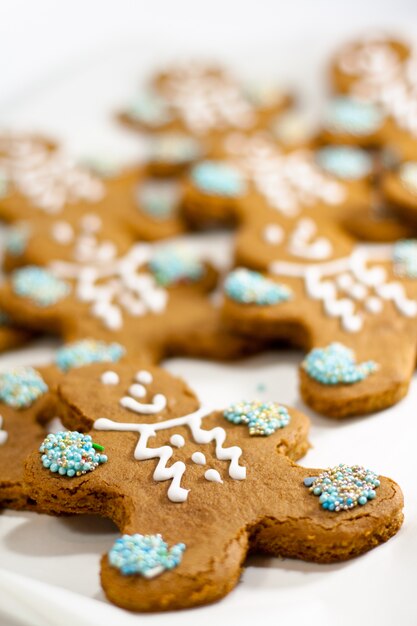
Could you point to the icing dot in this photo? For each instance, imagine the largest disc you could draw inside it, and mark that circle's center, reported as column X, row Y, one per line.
column 39, row 285
column 147, row 555
column 110, row 378
column 21, row 386
column 70, row 453
column 198, row 458
column 3, row 433
column 373, row 305
column 62, row 232
column 137, row 390
column 336, row 364
column 87, row 351
column 345, row 162
column 343, row 487
column 405, row 258
column 177, row 440
column 356, row 117
column 174, row 148
column 273, row 234
column 213, row 476
column 248, row 287
column 408, row 176
column 144, row 377
column 174, row 264
column 261, row 418
column 91, row 223
column 218, row 178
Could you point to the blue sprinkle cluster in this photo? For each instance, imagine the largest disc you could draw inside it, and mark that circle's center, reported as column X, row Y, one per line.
column 218, row 178
column 336, row 364
column 344, row 162
column 70, row 453
column 21, row 386
column 353, row 116
column 150, row 109
column 249, row 287
column 147, row 555
column 343, row 487
column 174, row 148
column 262, row 418
column 87, row 351
column 405, row 258
column 158, row 198
column 172, row 265
column 16, row 240
column 39, row 285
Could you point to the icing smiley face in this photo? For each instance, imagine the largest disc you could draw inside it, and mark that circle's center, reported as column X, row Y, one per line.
column 336, row 365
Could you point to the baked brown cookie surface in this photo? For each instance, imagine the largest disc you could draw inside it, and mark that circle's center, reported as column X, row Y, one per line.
column 193, row 490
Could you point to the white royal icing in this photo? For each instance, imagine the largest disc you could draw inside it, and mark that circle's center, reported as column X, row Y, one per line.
column 3, row 433
column 198, row 458
column 113, row 287
column 110, row 378
column 62, row 232
column 144, row 377
column 177, row 441
column 213, row 476
column 288, row 182
column 175, row 472
column 137, row 390
column 302, row 243
column 273, row 234
column 48, row 179
column 349, row 289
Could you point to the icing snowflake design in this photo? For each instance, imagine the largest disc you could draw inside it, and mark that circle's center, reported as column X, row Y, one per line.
column 39, row 285
column 218, row 178
column 70, row 453
column 336, row 364
column 382, row 78
column 123, row 285
column 348, row 289
column 86, row 351
column 3, row 433
column 206, row 100
column 194, row 421
column 21, row 387
column 288, row 182
column 49, row 179
column 249, row 287
column 147, row 555
column 353, row 116
column 405, row 258
column 343, row 487
column 261, row 418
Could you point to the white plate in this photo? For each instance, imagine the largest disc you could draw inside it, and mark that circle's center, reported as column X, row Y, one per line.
column 49, row 567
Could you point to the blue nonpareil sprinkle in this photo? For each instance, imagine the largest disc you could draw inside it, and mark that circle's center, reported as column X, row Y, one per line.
column 335, row 365
column 249, row 287
column 218, row 178
column 88, row 351
column 70, row 453
column 147, row 555
column 262, row 418
column 21, row 386
column 343, row 487
column 39, row 285
column 344, row 162
column 172, row 265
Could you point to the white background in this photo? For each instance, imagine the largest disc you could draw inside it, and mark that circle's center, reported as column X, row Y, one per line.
column 64, row 67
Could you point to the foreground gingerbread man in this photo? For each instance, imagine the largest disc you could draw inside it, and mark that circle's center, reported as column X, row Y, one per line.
column 213, row 484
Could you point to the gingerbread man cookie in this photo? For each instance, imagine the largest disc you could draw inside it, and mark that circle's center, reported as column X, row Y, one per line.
column 193, row 489
column 27, row 405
